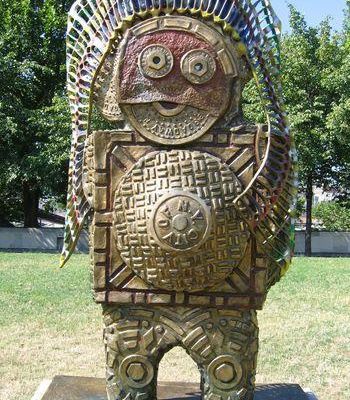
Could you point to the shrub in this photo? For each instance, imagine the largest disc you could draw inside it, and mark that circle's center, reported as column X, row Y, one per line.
column 334, row 216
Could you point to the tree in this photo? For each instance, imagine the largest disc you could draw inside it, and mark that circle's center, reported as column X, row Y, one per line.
column 313, row 59
column 34, row 117
column 315, row 77
column 338, row 120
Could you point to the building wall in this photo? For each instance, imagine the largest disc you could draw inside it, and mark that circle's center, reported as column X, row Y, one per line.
column 51, row 239
column 325, row 243
column 38, row 239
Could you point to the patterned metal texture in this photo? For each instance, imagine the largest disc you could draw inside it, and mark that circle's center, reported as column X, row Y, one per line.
column 176, row 206
column 196, row 236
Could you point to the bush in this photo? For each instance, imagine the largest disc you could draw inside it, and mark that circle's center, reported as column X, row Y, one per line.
column 334, row 216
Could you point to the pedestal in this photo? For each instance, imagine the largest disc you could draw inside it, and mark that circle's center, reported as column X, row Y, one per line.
column 82, row 388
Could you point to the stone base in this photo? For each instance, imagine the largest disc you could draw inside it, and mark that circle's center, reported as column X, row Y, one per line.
column 81, row 388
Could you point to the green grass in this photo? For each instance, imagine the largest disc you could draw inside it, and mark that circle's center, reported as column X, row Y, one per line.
column 49, row 325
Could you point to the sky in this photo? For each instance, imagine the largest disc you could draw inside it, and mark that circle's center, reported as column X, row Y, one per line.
column 314, row 11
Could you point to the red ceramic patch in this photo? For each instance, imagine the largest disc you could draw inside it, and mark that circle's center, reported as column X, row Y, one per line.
column 135, row 88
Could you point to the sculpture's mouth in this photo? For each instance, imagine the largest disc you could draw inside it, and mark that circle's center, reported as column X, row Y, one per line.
column 169, row 122
column 168, row 109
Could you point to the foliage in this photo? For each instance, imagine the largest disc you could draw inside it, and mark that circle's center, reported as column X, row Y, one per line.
column 334, row 216
column 315, row 76
column 338, row 120
column 53, row 131
column 251, row 104
column 312, row 60
column 299, row 207
column 316, row 85
column 34, row 122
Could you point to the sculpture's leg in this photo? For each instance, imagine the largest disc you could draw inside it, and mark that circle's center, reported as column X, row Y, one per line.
column 228, row 364
column 135, row 342
column 223, row 343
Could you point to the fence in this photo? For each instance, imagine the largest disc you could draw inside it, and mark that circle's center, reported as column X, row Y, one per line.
column 51, row 239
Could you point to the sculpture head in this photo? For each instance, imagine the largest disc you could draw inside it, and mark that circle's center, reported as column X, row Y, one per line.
column 174, row 84
column 174, row 78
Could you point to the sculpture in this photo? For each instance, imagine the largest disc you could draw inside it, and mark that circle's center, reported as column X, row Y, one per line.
column 189, row 205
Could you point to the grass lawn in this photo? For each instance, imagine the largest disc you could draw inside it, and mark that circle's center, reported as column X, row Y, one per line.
column 49, row 325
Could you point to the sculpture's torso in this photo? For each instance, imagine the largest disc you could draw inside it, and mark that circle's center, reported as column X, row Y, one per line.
column 169, row 224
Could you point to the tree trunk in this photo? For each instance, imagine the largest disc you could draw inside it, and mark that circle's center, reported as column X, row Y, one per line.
column 30, row 205
column 4, row 222
column 308, row 228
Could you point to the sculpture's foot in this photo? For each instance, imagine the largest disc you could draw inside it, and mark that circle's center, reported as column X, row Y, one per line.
column 223, row 380
column 133, row 354
column 230, row 374
column 135, row 381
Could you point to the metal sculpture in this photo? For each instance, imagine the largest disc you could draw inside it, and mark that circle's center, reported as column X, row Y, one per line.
column 189, row 204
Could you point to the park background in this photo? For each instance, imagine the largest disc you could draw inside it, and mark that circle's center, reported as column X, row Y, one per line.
column 49, row 324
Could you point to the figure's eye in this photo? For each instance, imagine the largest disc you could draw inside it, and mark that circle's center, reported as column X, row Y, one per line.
column 198, row 66
column 156, row 61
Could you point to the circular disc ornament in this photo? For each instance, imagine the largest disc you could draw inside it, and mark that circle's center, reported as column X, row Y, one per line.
column 180, row 221
column 136, row 370
column 198, row 66
column 232, row 376
column 175, row 222
column 156, row 61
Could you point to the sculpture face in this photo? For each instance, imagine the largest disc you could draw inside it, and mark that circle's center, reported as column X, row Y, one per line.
column 174, row 84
